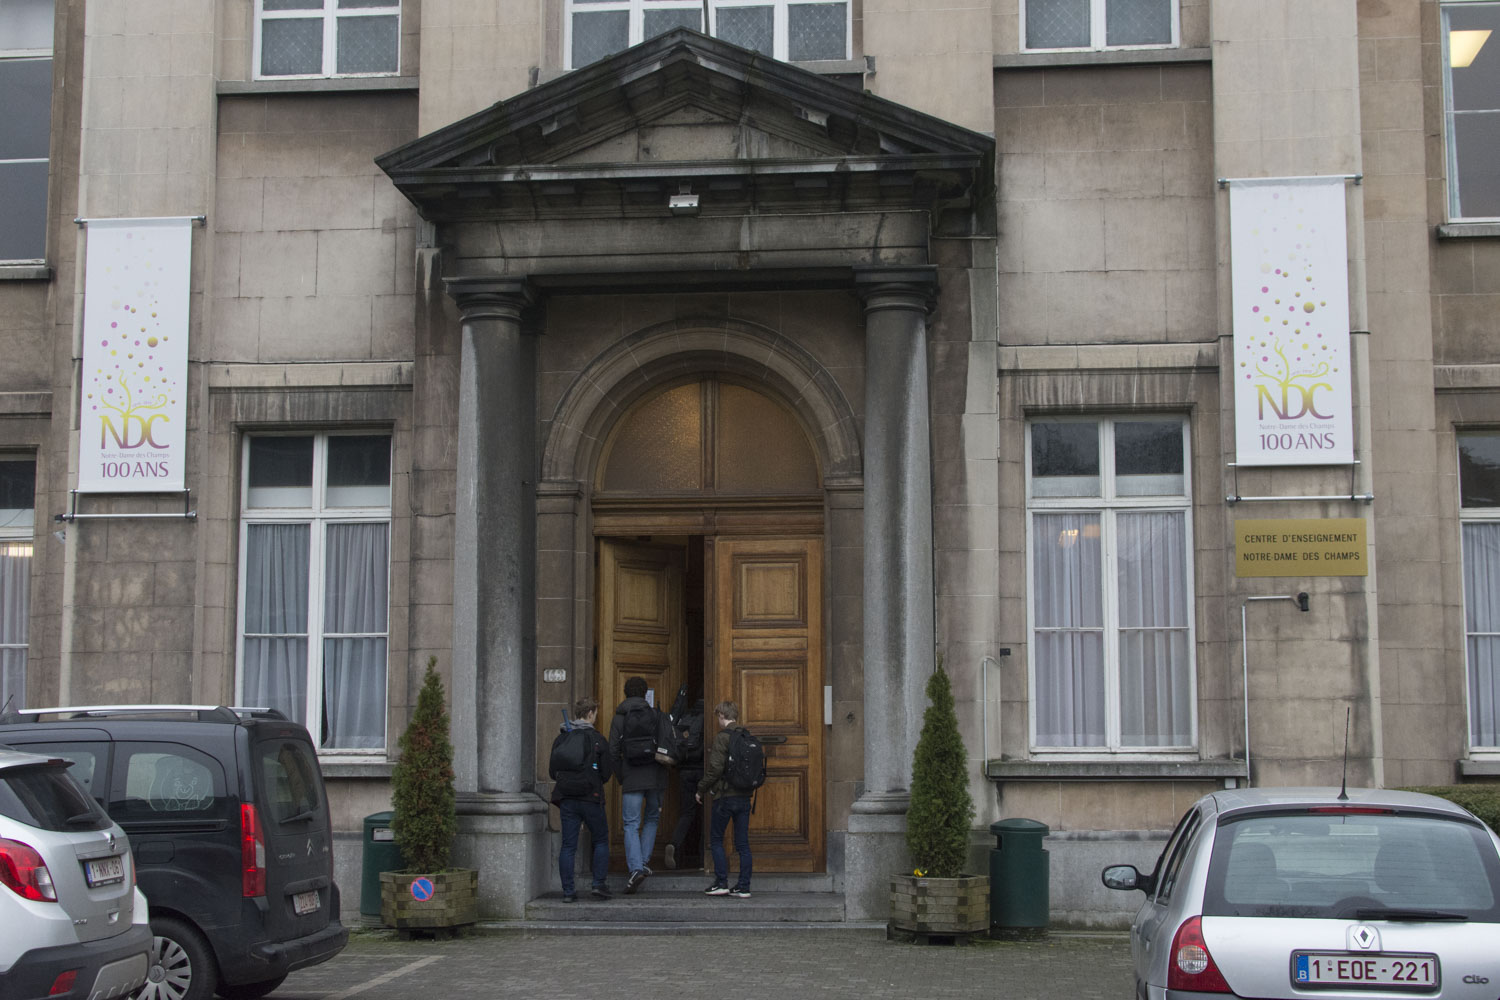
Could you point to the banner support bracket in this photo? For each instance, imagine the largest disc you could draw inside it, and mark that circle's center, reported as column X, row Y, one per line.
column 188, row 514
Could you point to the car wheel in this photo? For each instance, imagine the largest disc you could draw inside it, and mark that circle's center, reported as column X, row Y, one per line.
column 182, row 967
column 250, row 991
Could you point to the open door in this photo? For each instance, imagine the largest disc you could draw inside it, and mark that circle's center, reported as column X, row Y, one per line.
column 768, row 658
column 640, row 635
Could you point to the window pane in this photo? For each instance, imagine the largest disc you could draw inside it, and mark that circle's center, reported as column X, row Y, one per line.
column 292, row 4
column 23, row 211
column 368, row 44
column 597, row 34
column 354, row 660
column 1148, row 458
column 659, row 22
column 15, row 616
column 1476, row 148
column 660, row 447
column 817, row 31
column 276, row 579
column 291, row 46
column 1474, row 59
column 1057, row 24
column 761, row 447
column 289, row 782
column 1479, row 469
column 26, row 24
column 1481, row 545
column 349, row 4
column 359, row 471
column 1068, row 572
column 1070, row 689
column 17, row 487
column 1138, row 22
column 1065, row 459
column 747, row 27
column 1151, row 581
column 280, row 472
column 170, row 783
column 26, row 130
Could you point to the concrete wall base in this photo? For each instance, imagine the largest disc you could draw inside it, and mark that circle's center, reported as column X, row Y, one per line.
column 874, row 850
column 505, row 837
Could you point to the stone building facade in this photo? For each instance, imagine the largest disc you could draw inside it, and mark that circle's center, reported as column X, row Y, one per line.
column 562, row 342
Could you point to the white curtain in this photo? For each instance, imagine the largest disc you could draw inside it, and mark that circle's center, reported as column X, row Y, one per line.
column 1151, row 575
column 15, row 610
column 355, row 602
column 1069, row 635
column 275, row 668
column 1481, row 625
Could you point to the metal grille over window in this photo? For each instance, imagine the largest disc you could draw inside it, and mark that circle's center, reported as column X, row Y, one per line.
column 1099, row 24
column 748, row 27
column 1057, row 24
column 1138, row 22
column 327, row 38
column 817, row 31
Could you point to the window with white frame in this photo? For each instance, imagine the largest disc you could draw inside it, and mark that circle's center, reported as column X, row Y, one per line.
column 315, row 583
column 326, row 38
column 1479, row 523
column 794, row 32
column 17, row 521
column 1111, row 594
column 25, row 127
column 1471, row 105
column 1098, row 24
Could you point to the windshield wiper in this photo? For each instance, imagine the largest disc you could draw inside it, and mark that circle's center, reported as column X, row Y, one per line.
column 1383, row 913
column 75, row 820
column 298, row 817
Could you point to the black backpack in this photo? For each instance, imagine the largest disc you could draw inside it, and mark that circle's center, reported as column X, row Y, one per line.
column 638, row 737
column 746, row 768
column 690, row 739
column 570, row 752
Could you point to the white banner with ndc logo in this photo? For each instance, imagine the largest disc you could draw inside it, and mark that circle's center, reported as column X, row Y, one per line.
column 133, row 414
column 1290, row 276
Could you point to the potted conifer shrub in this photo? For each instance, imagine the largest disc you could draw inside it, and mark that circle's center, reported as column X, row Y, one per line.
column 938, row 898
column 428, row 893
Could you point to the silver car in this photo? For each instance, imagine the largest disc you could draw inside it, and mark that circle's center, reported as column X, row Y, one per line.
column 74, row 923
column 1314, row 892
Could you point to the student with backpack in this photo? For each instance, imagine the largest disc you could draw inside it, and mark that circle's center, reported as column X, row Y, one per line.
column 580, row 766
column 736, row 768
column 637, row 734
column 687, row 836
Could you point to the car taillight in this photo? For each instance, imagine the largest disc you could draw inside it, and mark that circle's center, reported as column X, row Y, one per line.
column 252, row 852
column 1190, row 966
column 63, row 983
column 24, row 873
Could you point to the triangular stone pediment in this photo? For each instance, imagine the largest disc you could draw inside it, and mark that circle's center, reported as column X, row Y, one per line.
column 686, row 112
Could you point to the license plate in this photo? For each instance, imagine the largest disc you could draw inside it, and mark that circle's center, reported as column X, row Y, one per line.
column 1335, row 968
column 305, row 902
column 105, row 871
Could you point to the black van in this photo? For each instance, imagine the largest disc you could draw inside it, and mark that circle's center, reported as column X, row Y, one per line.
column 230, row 827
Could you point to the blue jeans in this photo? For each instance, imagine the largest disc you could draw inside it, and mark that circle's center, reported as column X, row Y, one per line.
column 736, row 808
column 575, row 813
column 640, row 831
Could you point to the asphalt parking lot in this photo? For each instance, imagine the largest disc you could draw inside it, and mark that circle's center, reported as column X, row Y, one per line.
column 748, row 963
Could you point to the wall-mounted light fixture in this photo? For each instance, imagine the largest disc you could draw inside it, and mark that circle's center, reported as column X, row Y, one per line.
column 684, row 202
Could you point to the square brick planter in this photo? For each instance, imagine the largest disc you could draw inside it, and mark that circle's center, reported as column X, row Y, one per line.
column 940, row 906
column 453, row 902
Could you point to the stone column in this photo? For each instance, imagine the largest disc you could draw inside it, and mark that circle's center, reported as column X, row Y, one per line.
column 898, row 587
column 501, row 819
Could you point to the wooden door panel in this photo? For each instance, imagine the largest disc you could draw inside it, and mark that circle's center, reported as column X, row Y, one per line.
column 768, row 641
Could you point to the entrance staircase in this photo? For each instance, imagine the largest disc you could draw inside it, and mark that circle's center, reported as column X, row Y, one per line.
column 674, row 902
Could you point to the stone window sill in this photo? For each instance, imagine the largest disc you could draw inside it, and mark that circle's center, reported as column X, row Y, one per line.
column 1099, row 770
column 1482, row 767
column 25, row 272
column 1115, row 57
column 345, row 767
column 1468, row 230
column 323, row 86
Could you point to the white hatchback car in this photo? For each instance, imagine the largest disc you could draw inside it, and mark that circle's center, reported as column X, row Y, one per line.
column 74, row 923
column 1307, row 892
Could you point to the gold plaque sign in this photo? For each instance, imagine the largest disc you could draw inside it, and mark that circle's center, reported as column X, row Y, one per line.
column 1303, row 546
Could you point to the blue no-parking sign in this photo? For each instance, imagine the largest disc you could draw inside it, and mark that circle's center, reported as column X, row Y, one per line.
column 421, row 889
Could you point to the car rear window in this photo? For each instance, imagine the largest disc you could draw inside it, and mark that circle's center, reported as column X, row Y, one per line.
column 291, row 784
column 1332, row 864
column 47, row 797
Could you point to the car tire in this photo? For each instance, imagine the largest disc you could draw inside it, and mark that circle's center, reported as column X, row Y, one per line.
column 182, row 966
column 250, row 991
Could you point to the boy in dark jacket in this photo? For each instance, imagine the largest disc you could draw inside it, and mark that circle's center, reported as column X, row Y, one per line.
column 642, row 781
column 688, row 728
column 579, row 797
column 730, row 804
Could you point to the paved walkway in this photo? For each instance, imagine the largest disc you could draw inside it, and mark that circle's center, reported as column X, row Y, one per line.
column 755, row 965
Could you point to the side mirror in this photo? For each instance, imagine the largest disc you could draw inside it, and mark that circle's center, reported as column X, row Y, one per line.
column 1122, row 877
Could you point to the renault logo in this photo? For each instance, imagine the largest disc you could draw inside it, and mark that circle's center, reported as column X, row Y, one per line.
column 1363, row 937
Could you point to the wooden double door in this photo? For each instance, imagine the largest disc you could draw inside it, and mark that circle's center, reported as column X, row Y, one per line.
column 733, row 619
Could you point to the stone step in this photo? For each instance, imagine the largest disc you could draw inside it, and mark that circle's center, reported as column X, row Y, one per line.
column 657, row 905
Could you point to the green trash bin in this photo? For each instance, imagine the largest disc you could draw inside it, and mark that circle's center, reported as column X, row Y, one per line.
column 381, row 854
column 1019, row 896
